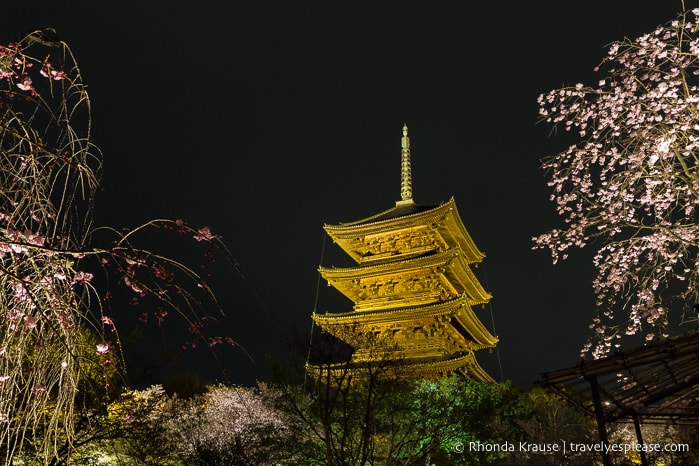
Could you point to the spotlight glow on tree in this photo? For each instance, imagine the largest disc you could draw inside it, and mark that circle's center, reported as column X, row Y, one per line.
column 630, row 185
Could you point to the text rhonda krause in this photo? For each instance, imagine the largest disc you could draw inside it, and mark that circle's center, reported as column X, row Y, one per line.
column 575, row 447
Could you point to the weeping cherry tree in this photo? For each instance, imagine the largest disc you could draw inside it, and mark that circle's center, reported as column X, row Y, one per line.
column 49, row 301
column 629, row 186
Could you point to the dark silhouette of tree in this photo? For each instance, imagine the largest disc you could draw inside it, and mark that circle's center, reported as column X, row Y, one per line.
column 366, row 411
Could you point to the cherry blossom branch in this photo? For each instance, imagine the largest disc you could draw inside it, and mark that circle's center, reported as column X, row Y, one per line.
column 56, row 324
column 631, row 182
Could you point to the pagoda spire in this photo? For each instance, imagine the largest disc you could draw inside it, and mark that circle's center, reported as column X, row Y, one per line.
column 406, row 180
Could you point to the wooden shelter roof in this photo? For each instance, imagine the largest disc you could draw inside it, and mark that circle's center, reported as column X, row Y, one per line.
column 658, row 381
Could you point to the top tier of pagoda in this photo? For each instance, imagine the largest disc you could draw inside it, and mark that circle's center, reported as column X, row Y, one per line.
column 406, row 230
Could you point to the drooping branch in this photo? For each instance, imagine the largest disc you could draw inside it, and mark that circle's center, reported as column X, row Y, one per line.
column 55, row 321
column 630, row 185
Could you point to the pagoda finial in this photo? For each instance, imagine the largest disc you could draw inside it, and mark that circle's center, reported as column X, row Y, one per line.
column 406, row 181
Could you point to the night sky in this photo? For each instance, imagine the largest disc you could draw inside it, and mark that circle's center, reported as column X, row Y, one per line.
column 265, row 120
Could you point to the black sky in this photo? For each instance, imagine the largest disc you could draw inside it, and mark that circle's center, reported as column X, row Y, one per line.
column 265, row 120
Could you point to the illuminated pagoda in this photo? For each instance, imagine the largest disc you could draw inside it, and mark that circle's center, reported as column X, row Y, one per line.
column 413, row 288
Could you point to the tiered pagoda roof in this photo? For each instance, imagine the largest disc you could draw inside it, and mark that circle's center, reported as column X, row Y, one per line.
column 413, row 288
column 406, row 230
column 419, row 280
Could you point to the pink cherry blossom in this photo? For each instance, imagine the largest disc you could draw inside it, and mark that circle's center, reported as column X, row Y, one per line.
column 83, row 277
column 25, row 84
column 204, row 234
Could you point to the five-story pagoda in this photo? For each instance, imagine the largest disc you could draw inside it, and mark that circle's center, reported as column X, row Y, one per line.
column 413, row 288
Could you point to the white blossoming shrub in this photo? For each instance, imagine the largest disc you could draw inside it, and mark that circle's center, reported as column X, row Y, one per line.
column 227, row 425
column 232, row 425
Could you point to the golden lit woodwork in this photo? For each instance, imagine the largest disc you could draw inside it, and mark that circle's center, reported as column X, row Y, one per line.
column 413, row 290
column 405, row 231
column 421, row 280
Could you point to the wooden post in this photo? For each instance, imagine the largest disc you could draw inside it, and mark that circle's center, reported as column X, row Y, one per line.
column 639, row 439
column 601, row 424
